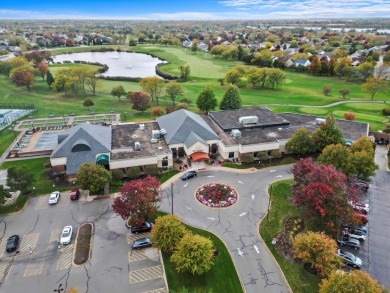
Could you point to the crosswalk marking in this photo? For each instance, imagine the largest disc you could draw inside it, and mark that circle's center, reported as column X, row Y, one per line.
column 160, row 290
column 65, row 260
column 28, row 241
column 145, row 274
column 132, row 237
column 146, row 253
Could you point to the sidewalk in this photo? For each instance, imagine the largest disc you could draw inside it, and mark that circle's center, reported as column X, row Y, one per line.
column 381, row 157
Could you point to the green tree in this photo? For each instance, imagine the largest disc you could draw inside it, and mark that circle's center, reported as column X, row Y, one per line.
column 364, row 143
column 20, row 179
column 88, row 103
column 318, row 249
column 343, row 67
column 233, row 76
column 133, row 172
column 328, row 133
column 247, row 158
column 326, row 90
column 93, row 82
column 354, row 281
column 344, row 92
column 49, row 78
column 173, row 90
column 4, row 193
column 184, row 72
column 118, row 91
column 366, row 70
column 194, row 46
column 194, row 254
column 363, row 164
column 206, row 100
column 372, row 86
column 231, row 100
column 301, row 142
column 152, row 86
column 275, row 77
column 167, row 232
column 339, row 156
column 117, row 174
column 92, row 177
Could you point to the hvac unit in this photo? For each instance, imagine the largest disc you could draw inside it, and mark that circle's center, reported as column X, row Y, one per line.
column 137, row 146
column 142, row 126
column 248, row 120
column 319, row 121
column 155, row 134
column 236, row 133
column 153, row 140
column 163, row 132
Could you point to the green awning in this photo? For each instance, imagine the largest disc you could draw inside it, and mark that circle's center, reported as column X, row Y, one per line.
column 348, row 143
column 102, row 160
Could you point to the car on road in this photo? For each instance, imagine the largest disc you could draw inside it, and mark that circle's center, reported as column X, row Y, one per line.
column 74, row 194
column 54, row 197
column 144, row 227
column 348, row 241
column 66, row 235
column 349, row 258
column 188, row 175
column 142, row 243
column 12, row 243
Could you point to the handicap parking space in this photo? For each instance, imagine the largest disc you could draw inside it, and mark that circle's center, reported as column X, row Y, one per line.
column 142, row 254
column 66, row 258
column 43, row 201
column 146, row 274
column 28, row 243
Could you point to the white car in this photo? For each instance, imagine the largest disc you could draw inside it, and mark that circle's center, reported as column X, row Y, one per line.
column 360, row 206
column 358, row 236
column 66, row 235
column 54, row 197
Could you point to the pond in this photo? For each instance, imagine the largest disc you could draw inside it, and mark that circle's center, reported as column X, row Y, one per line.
column 119, row 63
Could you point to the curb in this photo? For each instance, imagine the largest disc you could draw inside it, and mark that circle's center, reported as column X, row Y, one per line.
column 269, row 251
column 90, row 245
column 163, row 269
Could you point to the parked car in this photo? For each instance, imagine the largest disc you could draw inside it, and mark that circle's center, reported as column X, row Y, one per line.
column 358, row 236
column 66, row 236
column 359, row 232
column 349, row 258
column 348, row 241
column 362, row 228
column 188, row 175
column 144, row 227
column 361, row 184
column 360, row 206
column 74, row 194
column 12, row 243
column 361, row 217
column 54, row 197
column 142, row 243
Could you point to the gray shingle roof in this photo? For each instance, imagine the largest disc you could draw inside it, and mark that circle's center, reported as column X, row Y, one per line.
column 192, row 138
column 98, row 138
column 181, row 123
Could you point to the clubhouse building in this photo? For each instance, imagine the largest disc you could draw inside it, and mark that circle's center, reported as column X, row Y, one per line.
column 184, row 134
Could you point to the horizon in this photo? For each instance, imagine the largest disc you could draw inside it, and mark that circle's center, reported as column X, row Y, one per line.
column 202, row 10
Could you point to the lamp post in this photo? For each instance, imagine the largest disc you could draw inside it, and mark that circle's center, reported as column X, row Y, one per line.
column 172, row 195
column 269, row 200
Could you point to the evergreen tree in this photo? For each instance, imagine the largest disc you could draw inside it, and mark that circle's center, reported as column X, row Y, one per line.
column 231, row 99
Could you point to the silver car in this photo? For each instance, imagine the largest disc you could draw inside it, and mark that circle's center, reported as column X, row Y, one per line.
column 349, row 258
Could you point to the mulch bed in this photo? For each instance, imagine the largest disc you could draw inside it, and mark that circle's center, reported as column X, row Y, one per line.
column 292, row 226
column 83, row 244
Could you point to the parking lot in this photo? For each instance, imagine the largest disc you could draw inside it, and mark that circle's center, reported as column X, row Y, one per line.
column 40, row 263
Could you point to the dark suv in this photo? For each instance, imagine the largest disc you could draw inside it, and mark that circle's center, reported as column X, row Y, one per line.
column 12, row 243
column 144, row 227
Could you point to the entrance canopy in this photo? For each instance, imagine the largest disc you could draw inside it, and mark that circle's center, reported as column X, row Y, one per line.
column 200, row 156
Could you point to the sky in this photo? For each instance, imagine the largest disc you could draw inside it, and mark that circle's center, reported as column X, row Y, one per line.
column 193, row 9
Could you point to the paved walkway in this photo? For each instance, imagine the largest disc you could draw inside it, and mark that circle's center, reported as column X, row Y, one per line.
column 237, row 226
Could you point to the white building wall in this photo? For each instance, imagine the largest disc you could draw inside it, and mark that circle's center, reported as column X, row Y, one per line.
column 197, row 147
column 117, row 164
column 58, row 161
column 258, row 147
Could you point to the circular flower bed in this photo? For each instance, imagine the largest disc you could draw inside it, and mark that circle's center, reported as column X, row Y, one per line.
column 216, row 195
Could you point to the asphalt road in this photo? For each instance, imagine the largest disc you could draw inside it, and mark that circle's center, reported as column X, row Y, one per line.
column 113, row 267
column 237, row 225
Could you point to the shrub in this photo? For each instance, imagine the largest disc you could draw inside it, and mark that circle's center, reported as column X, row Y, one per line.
column 263, row 156
column 182, row 106
column 276, row 154
column 247, row 158
column 133, row 172
column 170, row 109
column 151, row 170
column 344, row 92
column 157, row 111
column 349, row 116
column 178, row 161
column 326, row 90
column 47, row 164
column 185, row 100
column 386, row 111
column 117, row 174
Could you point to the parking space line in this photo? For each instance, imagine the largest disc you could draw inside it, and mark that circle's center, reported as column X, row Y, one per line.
column 64, row 199
column 132, row 237
column 159, row 290
column 28, row 241
column 43, row 202
column 146, row 253
column 145, row 274
column 65, row 259
column 5, row 268
column 33, row 269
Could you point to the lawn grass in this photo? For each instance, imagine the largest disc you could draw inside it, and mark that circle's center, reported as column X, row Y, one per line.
column 221, row 278
column 165, row 176
column 299, row 279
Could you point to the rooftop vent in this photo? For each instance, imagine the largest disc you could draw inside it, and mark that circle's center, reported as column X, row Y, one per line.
column 163, row 131
column 235, row 133
column 319, row 121
column 142, row 126
column 137, row 146
column 153, row 140
column 156, row 134
column 280, row 128
column 248, row 120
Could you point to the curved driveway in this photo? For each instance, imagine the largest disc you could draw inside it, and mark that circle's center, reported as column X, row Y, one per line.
column 237, row 225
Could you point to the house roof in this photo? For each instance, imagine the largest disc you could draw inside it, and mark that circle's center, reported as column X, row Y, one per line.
column 301, row 61
column 81, row 144
column 180, row 124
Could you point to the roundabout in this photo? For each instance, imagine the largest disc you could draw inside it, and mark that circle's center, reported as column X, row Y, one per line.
column 216, row 195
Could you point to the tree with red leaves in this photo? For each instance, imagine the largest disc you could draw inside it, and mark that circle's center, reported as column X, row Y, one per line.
column 324, row 194
column 23, row 78
column 140, row 101
column 42, row 69
column 138, row 200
